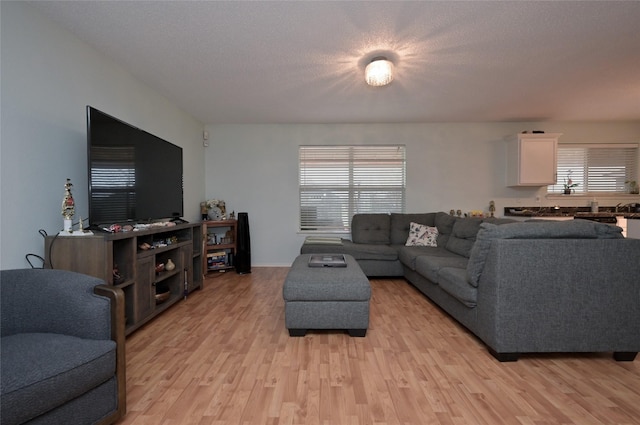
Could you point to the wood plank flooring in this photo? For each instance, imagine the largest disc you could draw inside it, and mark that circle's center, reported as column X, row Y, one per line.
column 223, row 356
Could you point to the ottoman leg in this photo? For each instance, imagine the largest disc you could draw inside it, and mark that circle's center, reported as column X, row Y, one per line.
column 357, row 332
column 297, row 332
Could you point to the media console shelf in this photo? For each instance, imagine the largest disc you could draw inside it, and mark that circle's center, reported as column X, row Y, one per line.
column 130, row 260
column 220, row 242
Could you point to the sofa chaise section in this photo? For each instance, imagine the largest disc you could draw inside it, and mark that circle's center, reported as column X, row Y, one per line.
column 557, row 287
column 521, row 287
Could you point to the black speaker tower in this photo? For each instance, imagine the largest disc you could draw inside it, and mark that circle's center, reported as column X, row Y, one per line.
column 243, row 255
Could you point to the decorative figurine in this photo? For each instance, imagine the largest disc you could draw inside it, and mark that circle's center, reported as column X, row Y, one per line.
column 170, row 265
column 219, row 205
column 117, row 277
column 68, row 207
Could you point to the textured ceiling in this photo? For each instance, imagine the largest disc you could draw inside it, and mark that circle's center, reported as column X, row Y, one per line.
column 303, row 62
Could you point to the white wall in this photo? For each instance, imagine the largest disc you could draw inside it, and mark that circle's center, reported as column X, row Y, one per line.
column 449, row 166
column 48, row 77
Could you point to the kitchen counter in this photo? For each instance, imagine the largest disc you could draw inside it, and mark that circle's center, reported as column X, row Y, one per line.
column 576, row 212
column 608, row 214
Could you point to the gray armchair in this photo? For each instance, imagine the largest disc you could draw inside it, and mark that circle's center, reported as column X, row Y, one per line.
column 62, row 343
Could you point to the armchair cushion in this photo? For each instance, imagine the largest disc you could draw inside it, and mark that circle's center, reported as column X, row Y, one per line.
column 42, row 363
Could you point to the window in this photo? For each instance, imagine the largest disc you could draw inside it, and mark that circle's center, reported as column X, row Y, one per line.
column 337, row 182
column 596, row 169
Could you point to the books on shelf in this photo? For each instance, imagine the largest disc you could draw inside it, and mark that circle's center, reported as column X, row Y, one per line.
column 217, row 259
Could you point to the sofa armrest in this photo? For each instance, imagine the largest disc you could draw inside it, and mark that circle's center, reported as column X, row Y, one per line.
column 560, row 295
column 117, row 313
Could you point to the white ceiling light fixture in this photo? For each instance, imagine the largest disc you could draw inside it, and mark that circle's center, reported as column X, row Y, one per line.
column 379, row 72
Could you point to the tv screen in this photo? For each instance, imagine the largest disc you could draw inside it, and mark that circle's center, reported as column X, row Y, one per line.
column 134, row 176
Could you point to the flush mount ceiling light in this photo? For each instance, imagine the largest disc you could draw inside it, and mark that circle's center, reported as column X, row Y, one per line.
column 379, row 72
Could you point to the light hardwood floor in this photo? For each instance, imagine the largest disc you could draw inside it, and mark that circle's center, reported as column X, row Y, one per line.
column 223, row 356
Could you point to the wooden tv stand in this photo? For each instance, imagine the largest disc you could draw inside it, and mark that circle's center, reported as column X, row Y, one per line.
column 101, row 254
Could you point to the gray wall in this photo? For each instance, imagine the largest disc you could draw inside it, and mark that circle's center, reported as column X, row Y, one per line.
column 48, row 77
column 254, row 168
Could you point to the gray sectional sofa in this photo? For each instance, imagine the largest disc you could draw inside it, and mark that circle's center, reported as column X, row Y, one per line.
column 521, row 287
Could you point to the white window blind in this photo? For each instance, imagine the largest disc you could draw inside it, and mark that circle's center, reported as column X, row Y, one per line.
column 337, row 182
column 597, row 169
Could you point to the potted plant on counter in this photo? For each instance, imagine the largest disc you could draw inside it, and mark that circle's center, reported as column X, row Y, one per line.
column 569, row 184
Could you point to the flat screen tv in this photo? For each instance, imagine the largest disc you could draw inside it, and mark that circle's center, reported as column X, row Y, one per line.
column 134, row 176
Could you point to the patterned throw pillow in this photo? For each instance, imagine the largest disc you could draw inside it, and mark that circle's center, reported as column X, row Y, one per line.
column 422, row 235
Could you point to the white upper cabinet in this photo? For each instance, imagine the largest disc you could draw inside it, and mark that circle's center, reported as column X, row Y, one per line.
column 531, row 159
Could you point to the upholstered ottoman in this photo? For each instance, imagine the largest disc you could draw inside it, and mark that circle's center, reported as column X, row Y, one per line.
column 326, row 297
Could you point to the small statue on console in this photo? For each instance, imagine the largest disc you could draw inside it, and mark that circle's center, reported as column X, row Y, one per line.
column 68, row 204
column 68, row 207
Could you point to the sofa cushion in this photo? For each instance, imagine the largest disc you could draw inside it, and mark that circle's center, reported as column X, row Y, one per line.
column 444, row 222
column 368, row 251
column 422, row 235
column 602, row 230
column 453, row 281
column 498, row 221
column 463, row 235
column 543, row 229
column 41, row 371
column 408, row 254
column 371, row 228
column 429, row 265
column 400, row 224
